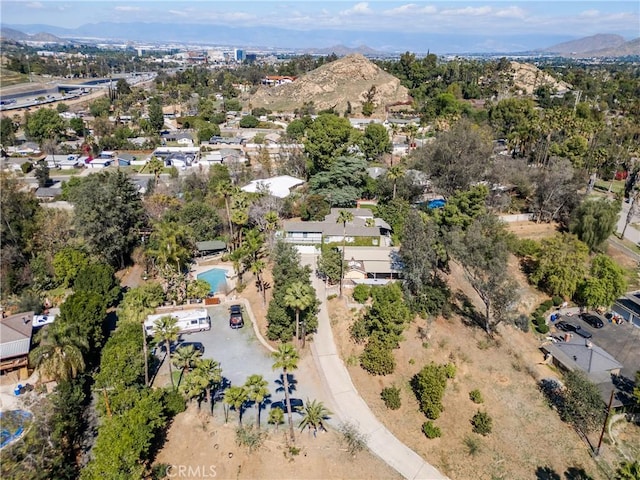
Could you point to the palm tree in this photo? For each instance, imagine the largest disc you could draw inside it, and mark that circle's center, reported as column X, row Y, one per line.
column 394, row 173
column 315, row 413
column 59, row 355
column 209, row 370
column 276, row 417
column 286, row 358
column 344, row 216
column 167, row 331
column 239, row 213
column 235, row 397
column 185, row 358
column 155, row 166
column 225, row 190
column 271, row 226
column 193, row 386
column 299, row 296
column 257, row 267
column 257, row 390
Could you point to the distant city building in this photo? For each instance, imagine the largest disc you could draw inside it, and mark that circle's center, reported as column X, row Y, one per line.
column 239, row 55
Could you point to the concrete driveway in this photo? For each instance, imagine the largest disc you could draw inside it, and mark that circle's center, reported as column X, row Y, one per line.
column 240, row 354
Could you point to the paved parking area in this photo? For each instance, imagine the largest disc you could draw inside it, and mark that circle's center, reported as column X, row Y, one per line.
column 240, row 354
column 621, row 341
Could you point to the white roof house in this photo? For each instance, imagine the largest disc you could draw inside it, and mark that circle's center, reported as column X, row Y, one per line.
column 278, row 186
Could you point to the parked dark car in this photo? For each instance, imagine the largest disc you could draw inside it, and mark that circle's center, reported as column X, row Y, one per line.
column 570, row 327
column 236, row 319
column 196, row 346
column 296, row 405
column 592, row 320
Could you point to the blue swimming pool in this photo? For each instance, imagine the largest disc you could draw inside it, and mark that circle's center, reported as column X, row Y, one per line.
column 216, row 277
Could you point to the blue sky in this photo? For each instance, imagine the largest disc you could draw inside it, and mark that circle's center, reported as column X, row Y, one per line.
column 568, row 18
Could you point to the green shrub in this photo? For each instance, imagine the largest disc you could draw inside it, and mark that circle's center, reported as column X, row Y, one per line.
column 476, row 396
column 544, row 328
column 472, row 444
column 428, row 385
column 332, row 296
column 174, row 402
column 544, row 307
column 557, row 301
column 377, row 358
column 430, row 430
column 351, row 436
column 26, row 167
column 525, row 247
column 361, row 293
column 358, row 330
column 482, row 423
column 250, row 437
column 450, row 370
column 391, row 398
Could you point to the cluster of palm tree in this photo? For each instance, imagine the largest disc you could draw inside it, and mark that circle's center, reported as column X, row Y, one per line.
column 255, row 389
column 60, row 354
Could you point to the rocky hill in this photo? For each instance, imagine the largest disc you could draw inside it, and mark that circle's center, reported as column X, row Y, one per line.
column 527, row 78
column 335, row 84
column 631, row 47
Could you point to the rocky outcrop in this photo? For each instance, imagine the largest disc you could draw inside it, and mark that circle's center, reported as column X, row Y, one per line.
column 336, row 84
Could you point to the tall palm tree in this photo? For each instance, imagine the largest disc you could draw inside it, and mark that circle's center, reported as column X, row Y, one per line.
column 272, row 223
column 59, row 355
column 155, row 166
column 185, row 359
column 299, row 296
column 235, row 397
column 257, row 391
column 225, row 190
column 193, row 386
column 394, row 173
column 286, row 358
column 239, row 213
column 257, row 267
column 167, row 331
column 315, row 413
column 209, row 370
column 344, row 217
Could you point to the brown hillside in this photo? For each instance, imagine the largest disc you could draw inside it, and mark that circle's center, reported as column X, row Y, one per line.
column 333, row 85
column 528, row 77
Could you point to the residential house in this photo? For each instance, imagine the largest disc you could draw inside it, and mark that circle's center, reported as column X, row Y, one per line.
column 48, row 194
column 61, row 161
column 280, row 186
column 274, row 80
column 628, row 307
column 181, row 138
column 361, row 123
column 363, row 229
column 580, row 354
column 15, row 343
column 100, row 163
column 210, row 158
column 125, row 159
column 366, row 263
column 218, row 140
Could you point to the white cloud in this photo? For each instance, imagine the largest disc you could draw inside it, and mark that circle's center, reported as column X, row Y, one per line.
column 179, row 13
column 589, row 14
column 511, row 12
column 127, row 8
column 34, row 5
column 410, row 9
column 357, row 9
column 468, row 11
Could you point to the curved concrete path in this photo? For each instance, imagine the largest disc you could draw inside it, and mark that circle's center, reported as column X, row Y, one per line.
column 349, row 405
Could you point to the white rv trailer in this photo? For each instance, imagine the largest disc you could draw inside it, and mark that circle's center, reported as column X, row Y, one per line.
column 188, row 321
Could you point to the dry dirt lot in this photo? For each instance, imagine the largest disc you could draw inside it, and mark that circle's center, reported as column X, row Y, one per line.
column 198, row 441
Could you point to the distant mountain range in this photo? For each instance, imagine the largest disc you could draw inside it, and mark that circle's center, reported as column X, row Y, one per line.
column 345, row 42
column 11, row 34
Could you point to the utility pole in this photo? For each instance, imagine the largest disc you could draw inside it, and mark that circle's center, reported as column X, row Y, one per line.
column 604, row 426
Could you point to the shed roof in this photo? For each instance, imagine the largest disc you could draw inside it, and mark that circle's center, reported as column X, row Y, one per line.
column 15, row 335
column 210, row 245
column 583, row 354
